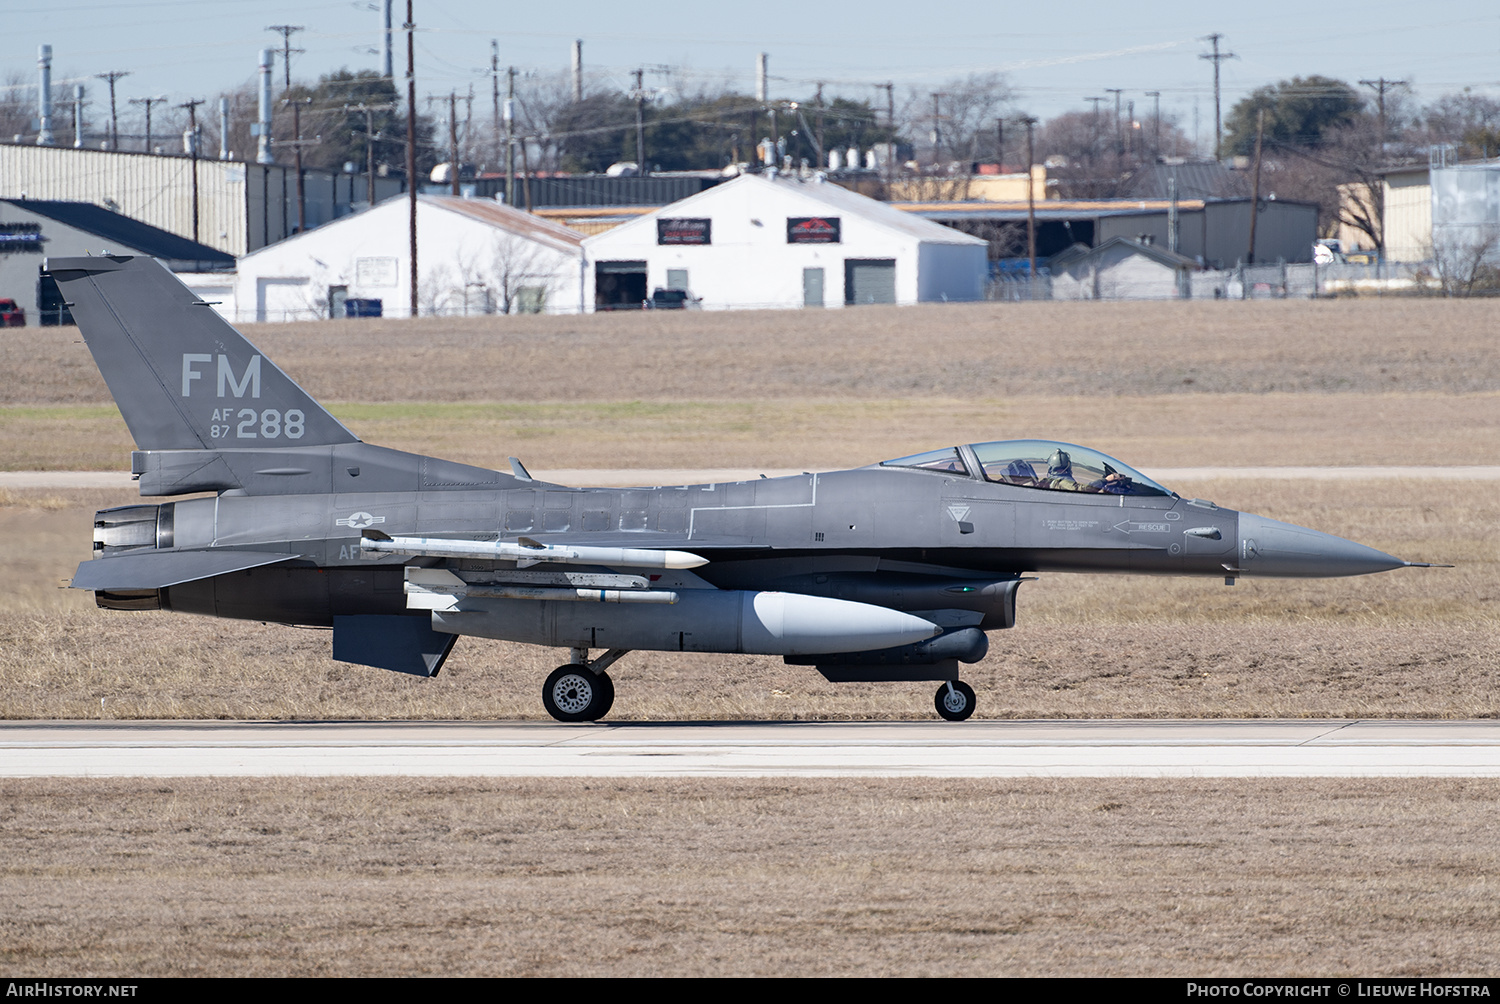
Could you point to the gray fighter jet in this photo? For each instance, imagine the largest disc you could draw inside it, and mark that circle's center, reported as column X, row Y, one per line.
column 893, row 571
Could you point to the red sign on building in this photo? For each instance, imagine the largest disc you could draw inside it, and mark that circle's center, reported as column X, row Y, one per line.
column 684, row 231
column 812, row 230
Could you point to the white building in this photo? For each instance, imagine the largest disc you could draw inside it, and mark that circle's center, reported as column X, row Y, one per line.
column 474, row 256
column 762, row 241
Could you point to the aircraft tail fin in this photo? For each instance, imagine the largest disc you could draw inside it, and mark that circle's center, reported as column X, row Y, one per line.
column 183, row 378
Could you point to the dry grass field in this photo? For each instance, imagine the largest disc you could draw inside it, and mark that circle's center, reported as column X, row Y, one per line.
column 353, row 877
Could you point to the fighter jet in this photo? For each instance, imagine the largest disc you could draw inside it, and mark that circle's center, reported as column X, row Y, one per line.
column 897, row 570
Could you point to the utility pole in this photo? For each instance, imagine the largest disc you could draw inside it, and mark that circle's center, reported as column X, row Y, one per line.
column 148, row 102
column 287, row 31
column 1155, row 96
column 370, row 111
column 495, row 82
column 890, row 122
column 1216, row 57
column 510, row 138
column 192, row 109
column 1119, row 139
column 819, row 121
column 1094, row 144
column 1028, row 122
column 937, row 129
column 114, row 124
column 453, row 140
column 411, row 145
column 1000, row 144
column 1260, row 128
column 1380, row 86
column 640, row 124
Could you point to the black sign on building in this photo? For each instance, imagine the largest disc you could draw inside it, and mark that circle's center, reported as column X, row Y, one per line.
column 812, row 230
column 684, row 231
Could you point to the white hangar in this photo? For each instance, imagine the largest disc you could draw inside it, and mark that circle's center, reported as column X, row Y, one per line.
column 474, row 256
column 769, row 242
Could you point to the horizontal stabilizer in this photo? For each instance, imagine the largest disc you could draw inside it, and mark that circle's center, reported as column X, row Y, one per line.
column 159, row 569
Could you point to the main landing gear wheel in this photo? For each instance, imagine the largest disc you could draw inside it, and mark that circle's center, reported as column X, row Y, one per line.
column 576, row 693
column 955, row 701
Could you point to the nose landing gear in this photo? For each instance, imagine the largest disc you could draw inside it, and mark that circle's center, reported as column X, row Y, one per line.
column 955, row 700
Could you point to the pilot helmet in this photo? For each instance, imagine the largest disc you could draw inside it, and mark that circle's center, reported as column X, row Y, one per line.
column 1060, row 465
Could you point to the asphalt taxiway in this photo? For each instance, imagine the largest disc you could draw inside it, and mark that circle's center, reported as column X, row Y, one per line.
column 998, row 749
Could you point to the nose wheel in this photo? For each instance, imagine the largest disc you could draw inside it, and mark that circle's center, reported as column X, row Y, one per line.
column 955, row 700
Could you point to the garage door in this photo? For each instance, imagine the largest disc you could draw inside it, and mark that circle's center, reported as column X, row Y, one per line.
column 869, row 280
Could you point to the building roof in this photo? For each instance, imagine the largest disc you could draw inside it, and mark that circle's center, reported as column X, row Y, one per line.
column 1082, row 252
column 834, row 197
column 124, row 232
column 516, row 221
column 1203, row 180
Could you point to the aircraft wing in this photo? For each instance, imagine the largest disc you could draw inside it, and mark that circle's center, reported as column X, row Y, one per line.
column 157, row 570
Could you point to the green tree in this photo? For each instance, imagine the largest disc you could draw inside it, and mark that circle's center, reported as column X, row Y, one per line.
column 331, row 112
column 1303, row 111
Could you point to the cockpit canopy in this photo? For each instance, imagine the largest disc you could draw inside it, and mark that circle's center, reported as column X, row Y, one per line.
column 1039, row 463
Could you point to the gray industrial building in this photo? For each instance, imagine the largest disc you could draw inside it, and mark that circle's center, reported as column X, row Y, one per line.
column 1214, row 232
column 31, row 230
column 240, row 206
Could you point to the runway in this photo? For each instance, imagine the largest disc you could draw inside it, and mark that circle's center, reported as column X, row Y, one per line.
column 995, row 749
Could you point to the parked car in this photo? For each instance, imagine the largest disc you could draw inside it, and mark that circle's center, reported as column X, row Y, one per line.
column 11, row 314
column 671, row 299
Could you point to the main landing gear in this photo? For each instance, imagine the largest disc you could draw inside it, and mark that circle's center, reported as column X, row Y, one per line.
column 955, row 700
column 581, row 691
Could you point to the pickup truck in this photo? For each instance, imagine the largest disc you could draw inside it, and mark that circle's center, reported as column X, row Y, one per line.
column 11, row 314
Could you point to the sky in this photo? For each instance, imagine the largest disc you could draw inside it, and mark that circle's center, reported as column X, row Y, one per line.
column 1054, row 55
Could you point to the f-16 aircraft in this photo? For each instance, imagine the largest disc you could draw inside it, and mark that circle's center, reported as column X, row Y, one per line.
column 893, row 571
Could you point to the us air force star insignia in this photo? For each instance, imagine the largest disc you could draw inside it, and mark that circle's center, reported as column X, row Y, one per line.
column 359, row 520
column 958, row 512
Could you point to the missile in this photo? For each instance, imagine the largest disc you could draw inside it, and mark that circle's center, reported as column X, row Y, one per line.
column 527, row 552
column 439, row 589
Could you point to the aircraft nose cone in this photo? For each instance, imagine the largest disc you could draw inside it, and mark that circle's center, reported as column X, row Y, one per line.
column 1272, row 548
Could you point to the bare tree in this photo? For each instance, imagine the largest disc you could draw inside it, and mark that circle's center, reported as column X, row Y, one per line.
column 967, row 108
column 1466, row 260
column 17, row 105
column 516, row 264
column 1468, row 122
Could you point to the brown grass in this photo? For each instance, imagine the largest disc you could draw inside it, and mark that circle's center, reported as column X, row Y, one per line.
column 1076, row 877
column 1409, row 643
column 956, row 351
column 1173, row 430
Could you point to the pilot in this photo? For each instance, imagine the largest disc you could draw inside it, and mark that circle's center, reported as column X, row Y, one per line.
column 1060, row 473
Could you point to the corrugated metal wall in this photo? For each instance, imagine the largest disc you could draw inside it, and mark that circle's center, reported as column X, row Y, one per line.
column 241, row 207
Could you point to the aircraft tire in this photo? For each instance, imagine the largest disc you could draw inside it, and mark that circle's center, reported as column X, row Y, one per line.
column 575, row 693
column 955, row 706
